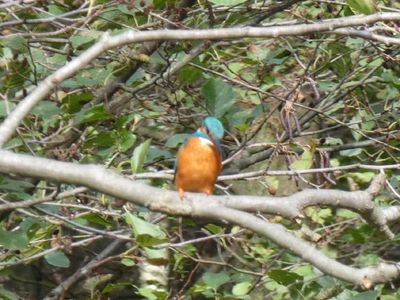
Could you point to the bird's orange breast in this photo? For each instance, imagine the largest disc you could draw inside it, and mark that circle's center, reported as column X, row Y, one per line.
column 199, row 164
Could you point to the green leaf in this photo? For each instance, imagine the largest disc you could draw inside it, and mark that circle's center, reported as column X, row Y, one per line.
column 215, row 280
column 16, row 43
column 85, row 37
column 319, row 215
column 95, row 113
column 219, row 96
column 116, row 286
column 333, row 141
column 46, row 109
column 351, row 152
column 361, row 177
column 146, row 234
column 366, row 118
column 139, row 156
column 8, row 295
column 370, row 295
column 176, row 140
column 97, row 219
column 3, row 110
column 156, row 153
column 284, row 277
column 57, row 259
column 342, row 64
column 73, row 103
column 368, row 260
column 148, row 293
column 9, row 184
column 241, row 289
column 189, row 75
column 101, row 139
column 128, row 262
column 365, row 7
column 215, row 229
column 91, row 283
column 13, row 240
column 126, row 139
column 156, row 256
column 304, row 163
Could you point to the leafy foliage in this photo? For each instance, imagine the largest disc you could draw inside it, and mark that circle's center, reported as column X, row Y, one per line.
column 318, row 101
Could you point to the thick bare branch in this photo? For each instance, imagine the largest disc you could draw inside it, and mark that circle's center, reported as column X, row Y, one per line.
column 222, row 207
column 365, row 277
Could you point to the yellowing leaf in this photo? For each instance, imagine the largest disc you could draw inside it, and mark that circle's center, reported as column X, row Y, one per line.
column 365, row 7
column 304, row 163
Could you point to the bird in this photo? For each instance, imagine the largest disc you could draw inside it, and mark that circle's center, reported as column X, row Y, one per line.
column 199, row 160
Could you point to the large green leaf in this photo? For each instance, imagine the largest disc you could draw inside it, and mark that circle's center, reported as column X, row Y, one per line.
column 284, row 277
column 304, row 163
column 241, row 289
column 369, row 295
column 95, row 113
column 125, row 139
column 46, row 109
column 84, row 38
column 176, row 140
column 146, row 233
column 365, row 7
column 156, row 256
column 58, row 259
column 13, row 240
column 139, row 156
column 215, row 280
column 219, row 96
column 16, row 43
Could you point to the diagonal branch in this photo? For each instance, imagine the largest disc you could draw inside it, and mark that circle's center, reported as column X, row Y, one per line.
column 228, row 208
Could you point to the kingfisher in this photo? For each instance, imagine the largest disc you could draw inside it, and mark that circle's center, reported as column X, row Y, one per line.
column 199, row 160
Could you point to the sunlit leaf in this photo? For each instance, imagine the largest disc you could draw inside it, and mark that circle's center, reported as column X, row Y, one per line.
column 241, row 289
column 92, row 282
column 148, row 293
column 146, row 233
column 304, row 163
column 128, row 262
column 361, row 177
column 365, row 7
column 139, row 156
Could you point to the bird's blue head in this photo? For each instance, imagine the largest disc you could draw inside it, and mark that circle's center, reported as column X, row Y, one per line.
column 213, row 127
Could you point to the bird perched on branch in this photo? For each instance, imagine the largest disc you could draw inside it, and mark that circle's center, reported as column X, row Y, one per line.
column 198, row 163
